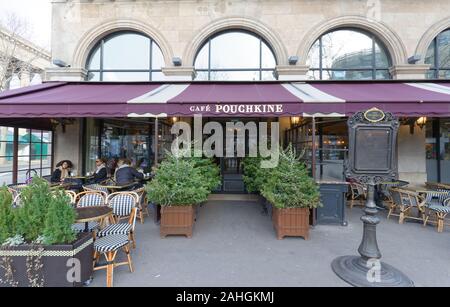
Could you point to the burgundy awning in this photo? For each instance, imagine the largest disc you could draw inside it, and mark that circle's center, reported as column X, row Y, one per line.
column 320, row 98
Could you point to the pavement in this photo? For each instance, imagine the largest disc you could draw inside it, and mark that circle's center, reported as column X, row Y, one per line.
column 234, row 245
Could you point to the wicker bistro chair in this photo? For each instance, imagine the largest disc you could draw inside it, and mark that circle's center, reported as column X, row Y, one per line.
column 125, row 206
column 16, row 189
column 109, row 247
column 404, row 201
column 73, row 197
column 95, row 187
column 439, row 205
column 17, row 201
column 357, row 194
column 143, row 203
column 89, row 199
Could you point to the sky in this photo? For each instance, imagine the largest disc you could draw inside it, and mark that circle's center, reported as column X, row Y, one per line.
column 36, row 14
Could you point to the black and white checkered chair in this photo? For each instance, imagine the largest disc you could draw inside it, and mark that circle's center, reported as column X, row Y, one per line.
column 95, row 187
column 143, row 203
column 109, row 246
column 438, row 203
column 124, row 205
column 89, row 199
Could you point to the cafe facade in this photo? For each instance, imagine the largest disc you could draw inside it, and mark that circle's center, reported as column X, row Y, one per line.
column 134, row 68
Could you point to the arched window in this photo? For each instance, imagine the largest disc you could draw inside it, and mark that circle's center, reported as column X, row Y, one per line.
column 438, row 55
column 348, row 54
column 235, row 55
column 125, row 56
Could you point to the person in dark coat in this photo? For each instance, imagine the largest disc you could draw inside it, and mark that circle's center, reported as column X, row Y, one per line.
column 63, row 170
column 126, row 174
column 101, row 173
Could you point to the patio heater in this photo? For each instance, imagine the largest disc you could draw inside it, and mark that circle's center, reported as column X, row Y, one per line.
column 371, row 161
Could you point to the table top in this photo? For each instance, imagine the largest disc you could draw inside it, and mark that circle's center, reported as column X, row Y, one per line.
column 118, row 186
column 89, row 214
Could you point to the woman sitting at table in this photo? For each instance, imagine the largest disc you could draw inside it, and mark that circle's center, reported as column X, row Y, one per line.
column 101, row 173
column 125, row 174
column 62, row 171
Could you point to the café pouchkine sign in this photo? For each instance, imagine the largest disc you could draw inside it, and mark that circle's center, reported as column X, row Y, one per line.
column 231, row 109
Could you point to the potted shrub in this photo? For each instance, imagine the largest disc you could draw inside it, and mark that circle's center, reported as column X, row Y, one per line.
column 254, row 177
column 292, row 192
column 177, row 186
column 38, row 245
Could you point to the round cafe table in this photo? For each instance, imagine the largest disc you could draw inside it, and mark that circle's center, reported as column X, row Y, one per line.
column 91, row 214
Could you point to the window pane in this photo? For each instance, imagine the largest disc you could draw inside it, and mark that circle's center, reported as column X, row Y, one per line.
column 347, row 75
column 444, row 74
column 6, row 164
column 24, row 149
column 235, row 75
column 201, row 61
column 383, row 75
column 46, row 149
column 235, row 50
column 381, row 58
column 93, row 76
column 46, row 172
column 95, row 59
column 159, row 76
column 36, row 149
column 24, row 162
column 201, row 76
column 6, row 134
column 36, row 136
column 126, row 76
column 429, row 57
column 431, row 74
column 268, row 75
column 47, row 136
column 6, row 149
column 127, row 51
column 268, row 60
column 443, row 43
column 24, row 135
column 314, row 55
column 313, row 75
column 47, row 161
column 6, row 178
column 157, row 57
column 22, row 176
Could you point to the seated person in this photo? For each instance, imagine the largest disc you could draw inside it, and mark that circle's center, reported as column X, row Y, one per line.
column 101, row 173
column 62, row 171
column 126, row 174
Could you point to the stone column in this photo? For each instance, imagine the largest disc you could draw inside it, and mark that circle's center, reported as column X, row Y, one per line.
column 409, row 71
column 292, row 72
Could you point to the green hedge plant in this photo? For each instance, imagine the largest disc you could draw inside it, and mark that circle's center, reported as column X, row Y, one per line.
column 289, row 184
column 178, row 182
column 7, row 225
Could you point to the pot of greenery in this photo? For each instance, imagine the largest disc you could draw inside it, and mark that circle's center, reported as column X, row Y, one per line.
column 254, row 177
column 179, row 184
column 292, row 192
column 38, row 245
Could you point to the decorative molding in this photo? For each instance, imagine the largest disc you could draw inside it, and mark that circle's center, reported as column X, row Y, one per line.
column 291, row 72
column 429, row 35
column 65, row 74
column 409, row 71
column 99, row 31
column 237, row 22
column 386, row 35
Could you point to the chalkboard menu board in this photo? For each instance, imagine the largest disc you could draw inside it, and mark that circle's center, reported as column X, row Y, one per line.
column 372, row 146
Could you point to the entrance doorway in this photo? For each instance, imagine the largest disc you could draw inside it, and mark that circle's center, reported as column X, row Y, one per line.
column 232, row 168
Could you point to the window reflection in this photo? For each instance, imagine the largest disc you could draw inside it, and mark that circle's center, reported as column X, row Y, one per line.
column 125, row 56
column 438, row 55
column 348, row 55
column 237, row 56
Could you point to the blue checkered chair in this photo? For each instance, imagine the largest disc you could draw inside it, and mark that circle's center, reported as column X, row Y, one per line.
column 109, row 247
column 143, row 203
column 405, row 201
column 95, row 187
column 89, row 199
column 438, row 203
column 124, row 205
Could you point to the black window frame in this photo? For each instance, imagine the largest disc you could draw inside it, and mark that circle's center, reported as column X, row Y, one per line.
column 435, row 69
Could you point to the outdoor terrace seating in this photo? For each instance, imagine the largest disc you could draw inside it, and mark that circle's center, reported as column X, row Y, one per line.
column 404, row 201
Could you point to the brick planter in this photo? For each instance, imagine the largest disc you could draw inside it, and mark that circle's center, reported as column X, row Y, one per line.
column 177, row 220
column 67, row 265
column 292, row 222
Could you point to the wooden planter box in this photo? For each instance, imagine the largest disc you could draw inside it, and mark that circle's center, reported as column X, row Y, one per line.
column 293, row 222
column 177, row 220
column 68, row 265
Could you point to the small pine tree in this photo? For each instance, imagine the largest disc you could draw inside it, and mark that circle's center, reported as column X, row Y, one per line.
column 6, row 215
column 31, row 216
column 59, row 219
column 209, row 170
column 290, row 185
